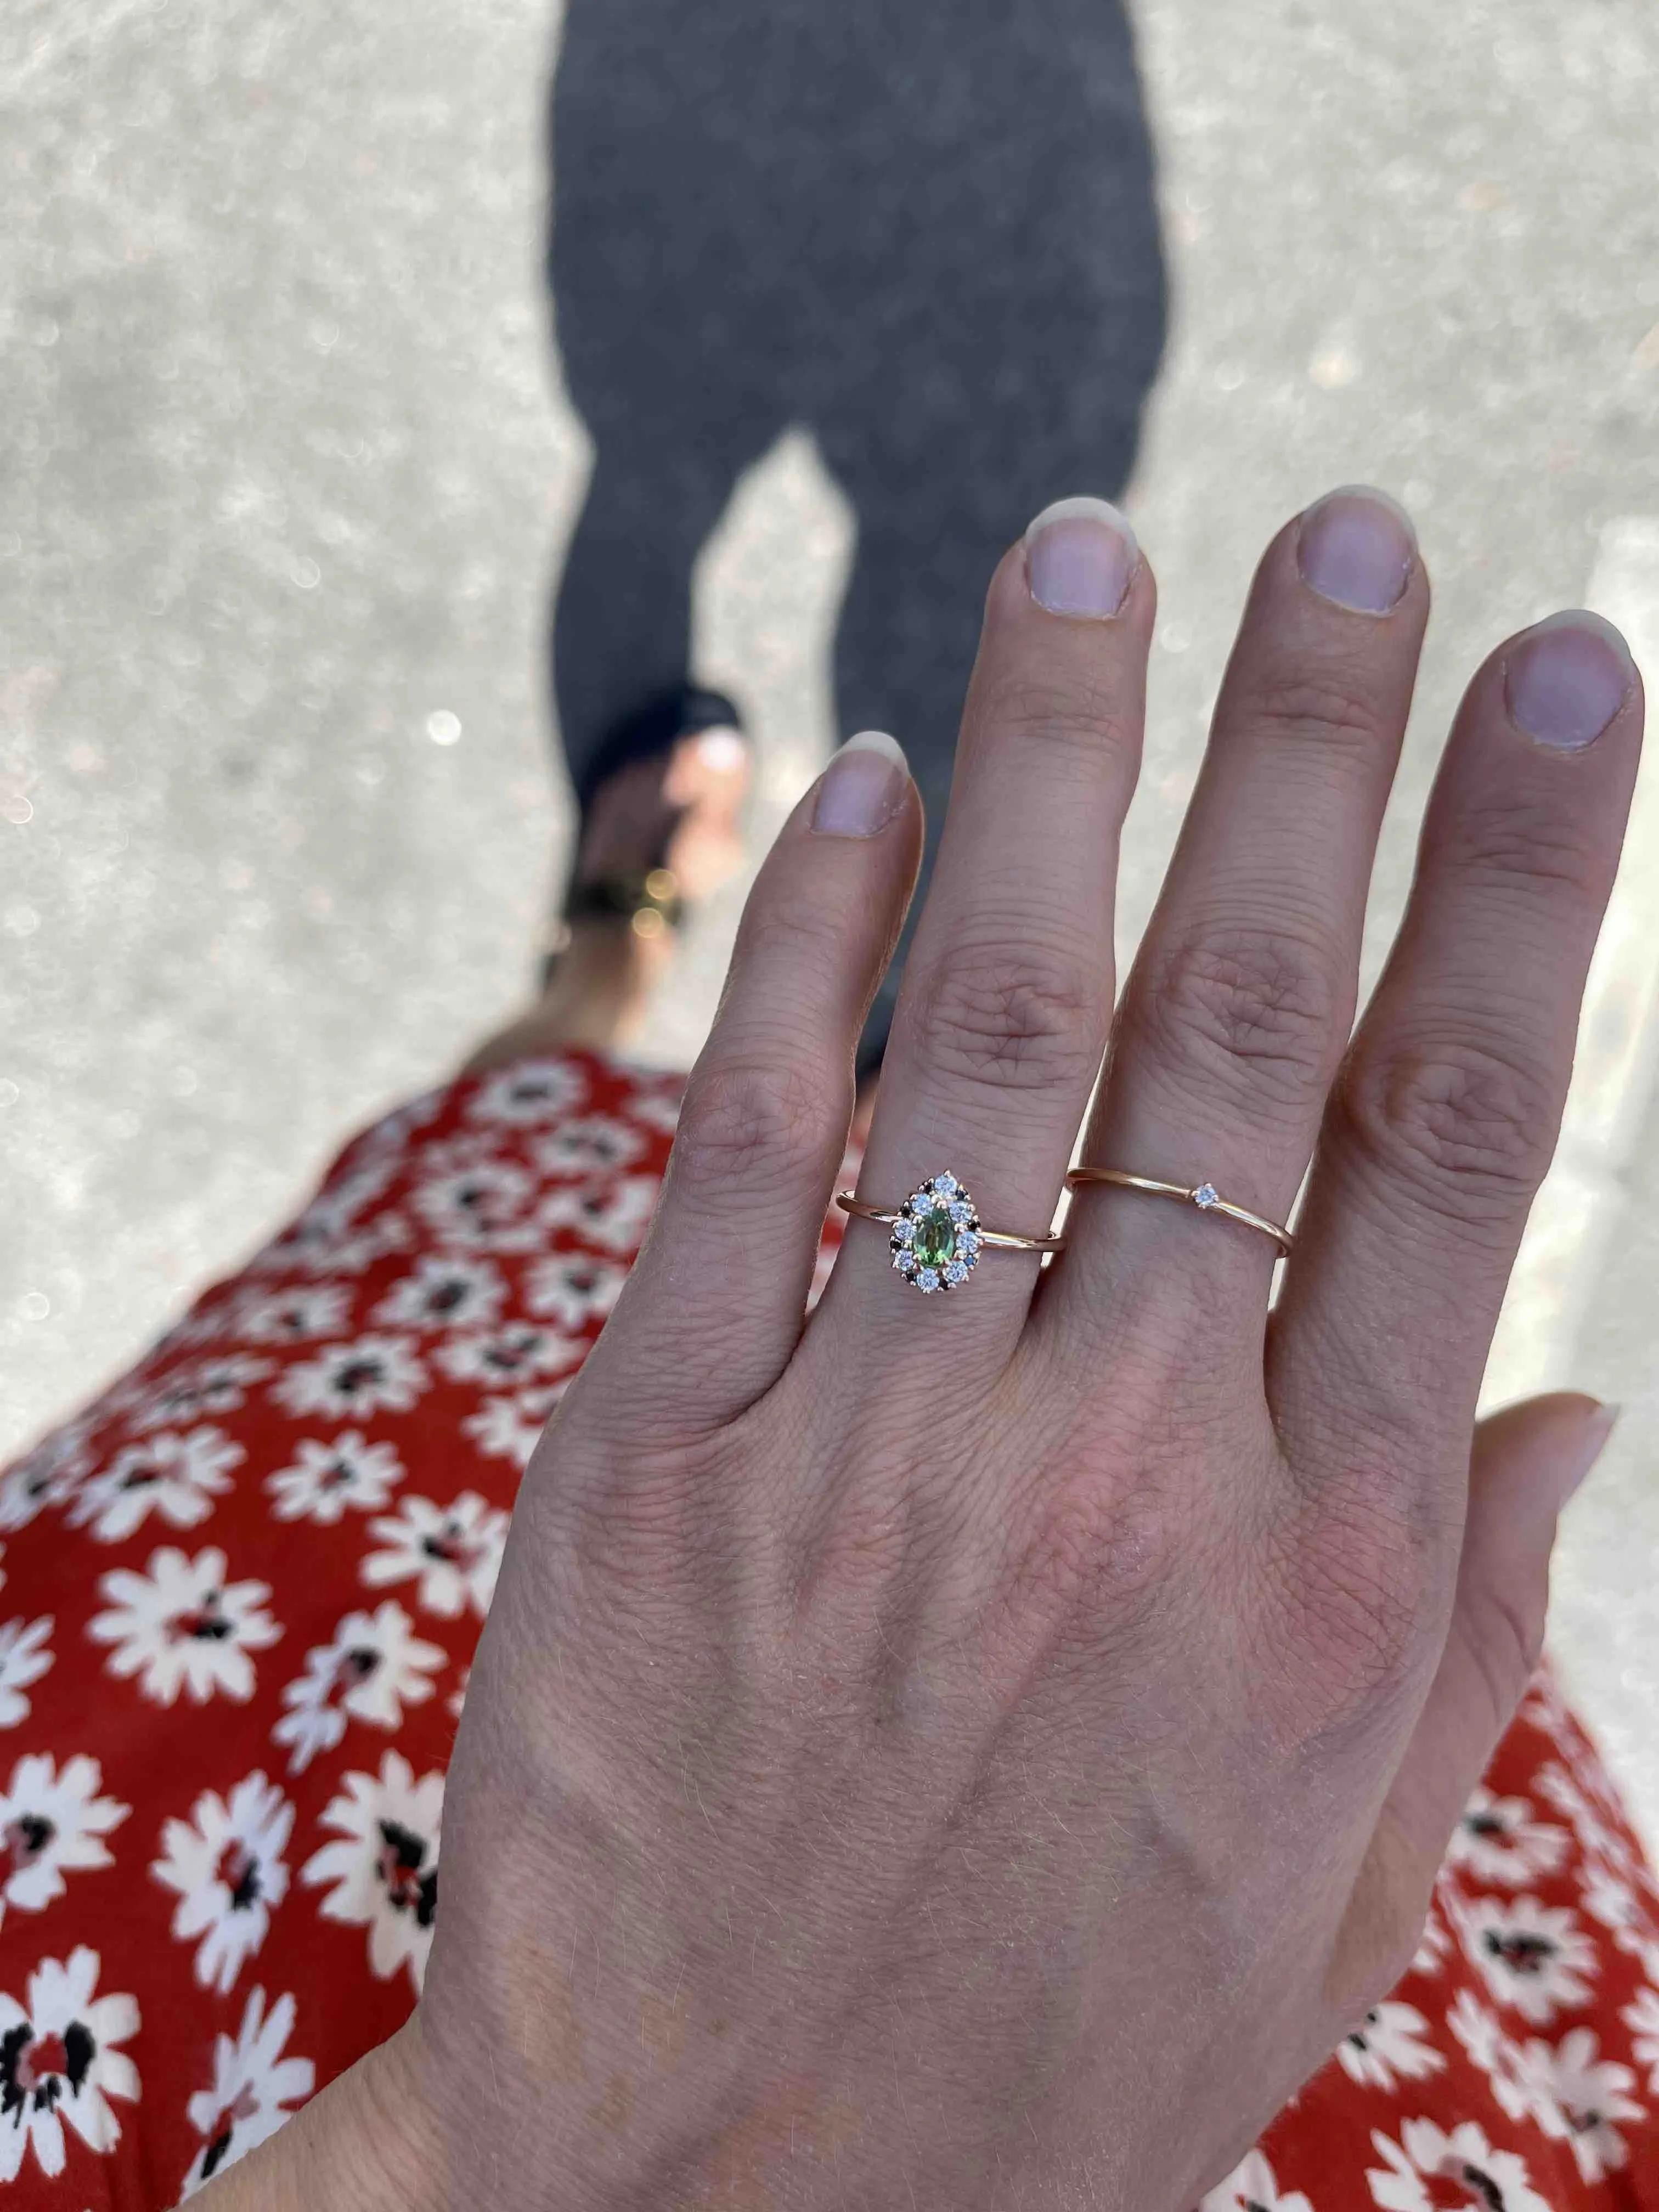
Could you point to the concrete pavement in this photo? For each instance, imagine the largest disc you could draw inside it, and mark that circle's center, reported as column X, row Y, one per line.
column 285, row 473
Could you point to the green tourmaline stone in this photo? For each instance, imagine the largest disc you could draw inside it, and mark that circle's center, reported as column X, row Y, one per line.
column 935, row 1240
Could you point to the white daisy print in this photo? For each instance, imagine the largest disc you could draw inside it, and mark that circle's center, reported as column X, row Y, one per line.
column 372, row 1669
column 372, row 1375
column 1252, row 2187
column 1429, row 2171
column 49, row 1475
column 52, row 1822
column 476, row 1205
column 24, row 1658
column 323, row 1480
column 254, row 2089
column 226, row 1865
column 1500, row 1840
column 296, row 1316
column 1542, row 1704
column 1478, row 2029
column 1610, row 1900
column 511, row 1428
column 175, row 1476
column 1641, row 2016
column 59, row 2061
column 180, row 1626
column 317, row 1248
column 1532, row 1956
column 1578, row 2099
column 337, row 1209
column 204, row 1386
column 529, row 1094
column 599, row 1144
column 454, row 1553
column 614, row 1214
column 1594, row 1833
column 573, row 1290
column 500, row 1357
column 384, row 1870
column 445, row 1292
column 1433, row 1946
column 1387, row 2047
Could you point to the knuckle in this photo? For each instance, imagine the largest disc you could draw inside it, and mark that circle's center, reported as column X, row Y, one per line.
column 1330, row 704
column 795, row 930
column 1526, row 842
column 1464, row 1126
column 749, row 1128
column 1073, row 715
column 1241, row 1002
column 1352, row 1586
column 1011, row 1016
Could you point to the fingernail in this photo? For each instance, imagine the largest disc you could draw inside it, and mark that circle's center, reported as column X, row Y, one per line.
column 1356, row 547
column 863, row 787
column 1593, row 1436
column 1080, row 558
column 1567, row 679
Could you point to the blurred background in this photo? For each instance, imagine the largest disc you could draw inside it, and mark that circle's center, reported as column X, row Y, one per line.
column 289, row 467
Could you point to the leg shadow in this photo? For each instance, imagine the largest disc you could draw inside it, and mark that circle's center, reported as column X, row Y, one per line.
column 928, row 231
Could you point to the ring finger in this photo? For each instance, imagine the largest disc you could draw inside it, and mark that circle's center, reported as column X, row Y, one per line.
column 1240, row 1001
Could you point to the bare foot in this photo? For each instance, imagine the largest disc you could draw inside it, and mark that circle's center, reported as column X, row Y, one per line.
column 674, row 825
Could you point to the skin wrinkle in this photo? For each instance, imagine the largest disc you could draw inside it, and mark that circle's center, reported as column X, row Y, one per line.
column 986, row 1732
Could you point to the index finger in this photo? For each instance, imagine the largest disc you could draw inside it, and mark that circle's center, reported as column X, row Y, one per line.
column 1442, row 1122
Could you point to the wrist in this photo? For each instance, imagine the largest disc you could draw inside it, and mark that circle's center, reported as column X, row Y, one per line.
column 366, row 2143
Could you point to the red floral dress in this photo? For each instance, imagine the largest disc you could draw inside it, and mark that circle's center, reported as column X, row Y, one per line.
column 241, row 1593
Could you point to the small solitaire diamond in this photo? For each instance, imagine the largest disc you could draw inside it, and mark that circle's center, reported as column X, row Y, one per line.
column 903, row 1231
column 955, row 1274
column 960, row 1211
column 1207, row 1195
column 927, row 1279
column 946, row 1186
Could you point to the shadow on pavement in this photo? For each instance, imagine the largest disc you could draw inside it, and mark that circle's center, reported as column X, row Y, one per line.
column 925, row 229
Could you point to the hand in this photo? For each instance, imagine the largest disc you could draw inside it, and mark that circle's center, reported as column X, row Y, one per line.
column 985, row 1749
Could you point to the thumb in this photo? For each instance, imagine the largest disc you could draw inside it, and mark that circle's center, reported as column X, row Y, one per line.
column 1525, row 1464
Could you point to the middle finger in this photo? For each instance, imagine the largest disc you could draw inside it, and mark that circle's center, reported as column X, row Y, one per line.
column 1002, row 1018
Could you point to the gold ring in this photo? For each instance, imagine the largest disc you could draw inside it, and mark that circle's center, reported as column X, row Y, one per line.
column 938, row 1236
column 1204, row 1195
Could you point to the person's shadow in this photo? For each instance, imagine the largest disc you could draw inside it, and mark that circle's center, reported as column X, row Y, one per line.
column 926, row 230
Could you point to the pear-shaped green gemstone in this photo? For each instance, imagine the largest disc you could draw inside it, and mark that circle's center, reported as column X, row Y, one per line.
column 935, row 1240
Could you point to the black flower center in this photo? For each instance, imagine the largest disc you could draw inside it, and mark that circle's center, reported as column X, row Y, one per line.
column 1522, row 1954
column 34, row 2068
column 26, row 1837
column 411, row 1887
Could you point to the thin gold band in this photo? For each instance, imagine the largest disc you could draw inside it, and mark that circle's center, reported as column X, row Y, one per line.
column 1204, row 1195
column 1005, row 1238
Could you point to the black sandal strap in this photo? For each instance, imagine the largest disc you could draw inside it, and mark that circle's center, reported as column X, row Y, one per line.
column 620, row 898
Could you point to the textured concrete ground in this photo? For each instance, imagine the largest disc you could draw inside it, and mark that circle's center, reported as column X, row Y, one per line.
column 284, row 475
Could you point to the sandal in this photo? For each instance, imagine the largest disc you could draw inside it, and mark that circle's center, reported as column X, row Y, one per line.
column 650, row 897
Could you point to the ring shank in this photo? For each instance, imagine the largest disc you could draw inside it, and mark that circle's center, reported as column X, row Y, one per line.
column 1005, row 1239
column 1079, row 1178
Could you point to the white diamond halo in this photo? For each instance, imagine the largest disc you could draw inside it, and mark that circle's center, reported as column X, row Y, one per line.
column 935, row 1240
